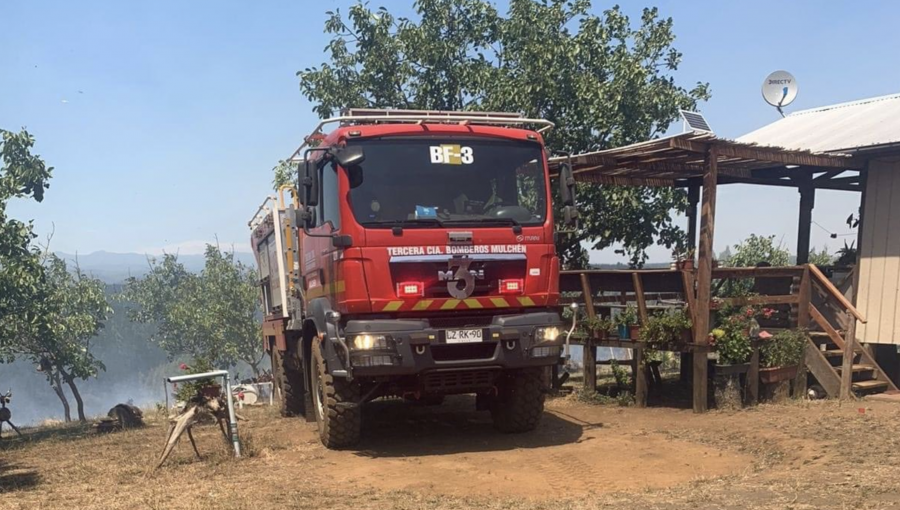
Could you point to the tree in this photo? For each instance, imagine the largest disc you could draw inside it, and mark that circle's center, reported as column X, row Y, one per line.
column 756, row 250
column 603, row 81
column 821, row 258
column 22, row 175
column 71, row 312
column 751, row 252
column 212, row 316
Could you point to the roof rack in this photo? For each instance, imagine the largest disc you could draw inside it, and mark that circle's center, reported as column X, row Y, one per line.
column 359, row 116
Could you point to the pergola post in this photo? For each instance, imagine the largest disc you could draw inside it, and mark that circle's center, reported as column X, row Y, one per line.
column 704, row 278
column 807, row 202
column 693, row 200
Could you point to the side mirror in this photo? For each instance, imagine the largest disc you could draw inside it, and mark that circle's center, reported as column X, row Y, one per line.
column 310, row 181
column 349, row 156
column 567, row 194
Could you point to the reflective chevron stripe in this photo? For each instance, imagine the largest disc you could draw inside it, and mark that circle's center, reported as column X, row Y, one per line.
column 455, row 304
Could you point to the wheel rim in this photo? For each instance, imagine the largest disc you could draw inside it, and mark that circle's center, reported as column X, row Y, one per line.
column 318, row 394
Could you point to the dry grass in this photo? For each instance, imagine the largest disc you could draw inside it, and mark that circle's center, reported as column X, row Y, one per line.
column 797, row 456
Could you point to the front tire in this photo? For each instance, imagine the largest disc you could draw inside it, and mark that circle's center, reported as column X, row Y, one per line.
column 336, row 404
column 519, row 403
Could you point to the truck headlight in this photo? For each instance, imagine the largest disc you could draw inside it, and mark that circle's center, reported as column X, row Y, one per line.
column 546, row 334
column 371, row 342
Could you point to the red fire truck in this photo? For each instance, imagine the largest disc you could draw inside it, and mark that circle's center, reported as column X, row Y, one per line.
column 415, row 258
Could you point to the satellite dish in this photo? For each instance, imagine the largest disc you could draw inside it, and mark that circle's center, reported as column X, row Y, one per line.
column 779, row 89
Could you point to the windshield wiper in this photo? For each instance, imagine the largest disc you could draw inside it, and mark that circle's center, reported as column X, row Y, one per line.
column 406, row 223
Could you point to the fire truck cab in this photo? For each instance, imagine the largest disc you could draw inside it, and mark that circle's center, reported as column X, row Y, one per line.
column 414, row 258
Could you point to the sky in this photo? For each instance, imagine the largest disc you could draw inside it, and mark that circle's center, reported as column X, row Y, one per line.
column 163, row 119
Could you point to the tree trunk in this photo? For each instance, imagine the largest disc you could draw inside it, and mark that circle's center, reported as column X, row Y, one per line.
column 78, row 401
column 56, row 384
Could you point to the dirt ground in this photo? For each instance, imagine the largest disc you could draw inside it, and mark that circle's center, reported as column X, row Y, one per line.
column 798, row 455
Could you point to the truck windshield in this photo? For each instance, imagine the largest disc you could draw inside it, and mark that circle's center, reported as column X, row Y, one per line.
column 439, row 181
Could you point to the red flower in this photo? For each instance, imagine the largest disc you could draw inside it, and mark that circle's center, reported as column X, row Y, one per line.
column 768, row 312
column 183, row 366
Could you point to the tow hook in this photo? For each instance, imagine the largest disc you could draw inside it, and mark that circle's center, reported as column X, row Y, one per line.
column 335, row 318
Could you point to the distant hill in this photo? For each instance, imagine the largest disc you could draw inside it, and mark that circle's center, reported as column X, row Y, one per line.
column 116, row 267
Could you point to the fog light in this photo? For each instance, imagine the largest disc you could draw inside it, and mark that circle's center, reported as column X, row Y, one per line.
column 370, row 342
column 545, row 352
column 373, row 361
column 546, row 334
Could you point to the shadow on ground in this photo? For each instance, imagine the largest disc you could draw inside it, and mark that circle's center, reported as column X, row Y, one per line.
column 13, row 478
column 68, row 432
column 393, row 428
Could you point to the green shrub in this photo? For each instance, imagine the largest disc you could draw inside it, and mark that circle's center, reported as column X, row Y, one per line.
column 785, row 349
column 666, row 327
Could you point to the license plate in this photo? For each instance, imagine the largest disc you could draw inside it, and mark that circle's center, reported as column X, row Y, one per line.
column 459, row 336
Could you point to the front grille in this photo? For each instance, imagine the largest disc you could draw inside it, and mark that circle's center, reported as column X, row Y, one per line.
column 461, row 321
column 458, row 381
column 462, row 352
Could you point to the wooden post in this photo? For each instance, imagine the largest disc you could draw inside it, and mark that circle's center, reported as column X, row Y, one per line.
column 805, row 293
column 807, row 202
column 640, row 371
column 753, row 376
column 590, row 361
column 693, row 200
column 687, row 279
column 704, row 279
column 847, row 365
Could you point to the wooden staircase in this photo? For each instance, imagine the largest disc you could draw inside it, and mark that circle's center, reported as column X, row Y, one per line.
column 832, row 348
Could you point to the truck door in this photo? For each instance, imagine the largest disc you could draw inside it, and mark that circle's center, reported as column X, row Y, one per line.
column 318, row 258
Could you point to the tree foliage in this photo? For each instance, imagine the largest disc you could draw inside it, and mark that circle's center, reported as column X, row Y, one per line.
column 821, row 257
column 756, row 250
column 604, row 80
column 22, row 175
column 70, row 313
column 211, row 316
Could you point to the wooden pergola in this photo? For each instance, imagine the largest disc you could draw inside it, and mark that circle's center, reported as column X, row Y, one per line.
column 700, row 162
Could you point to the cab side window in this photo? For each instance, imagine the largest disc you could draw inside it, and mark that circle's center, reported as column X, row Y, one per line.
column 329, row 201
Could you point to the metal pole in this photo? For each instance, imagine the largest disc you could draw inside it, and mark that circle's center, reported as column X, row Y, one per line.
column 166, row 392
column 232, row 425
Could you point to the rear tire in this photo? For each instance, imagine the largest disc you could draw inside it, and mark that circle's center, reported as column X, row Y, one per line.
column 519, row 403
column 289, row 381
column 336, row 404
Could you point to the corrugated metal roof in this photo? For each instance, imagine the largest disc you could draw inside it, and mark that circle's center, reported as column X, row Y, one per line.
column 842, row 127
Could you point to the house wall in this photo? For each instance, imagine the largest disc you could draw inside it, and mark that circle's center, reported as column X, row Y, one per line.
column 878, row 297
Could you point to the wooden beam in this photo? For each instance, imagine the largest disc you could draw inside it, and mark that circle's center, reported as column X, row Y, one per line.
column 847, row 362
column 590, row 362
column 774, row 155
column 639, row 295
column 704, row 278
column 756, row 272
column 787, row 299
column 804, row 221
column 821, row 369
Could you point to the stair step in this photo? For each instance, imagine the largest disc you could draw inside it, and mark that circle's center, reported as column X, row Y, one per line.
column 871, row 385
column 832, row 353
column 859, row 368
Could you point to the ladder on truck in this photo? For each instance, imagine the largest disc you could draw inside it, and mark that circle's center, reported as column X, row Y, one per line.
column 277, row 211
column 361, row 116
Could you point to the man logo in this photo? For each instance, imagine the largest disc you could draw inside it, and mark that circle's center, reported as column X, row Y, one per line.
column 459, row 269
column 451, row 155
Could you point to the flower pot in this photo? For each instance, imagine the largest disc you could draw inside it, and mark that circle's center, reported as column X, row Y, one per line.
column 685, row 265
column 634, row 332
column 622, row 331
column 777, row 374
column 729, row 370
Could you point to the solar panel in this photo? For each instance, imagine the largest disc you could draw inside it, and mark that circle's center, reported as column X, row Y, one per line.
column 695, row 121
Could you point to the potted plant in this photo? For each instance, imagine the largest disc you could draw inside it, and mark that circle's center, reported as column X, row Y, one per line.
column 627, row 323
column 731, row 338
column 600, row 327
column 667, row 328
column 780, row 356
column 201, row 387
column 684, row 260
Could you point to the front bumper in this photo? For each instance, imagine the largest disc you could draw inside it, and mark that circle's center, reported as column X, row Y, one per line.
column 416, row 346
